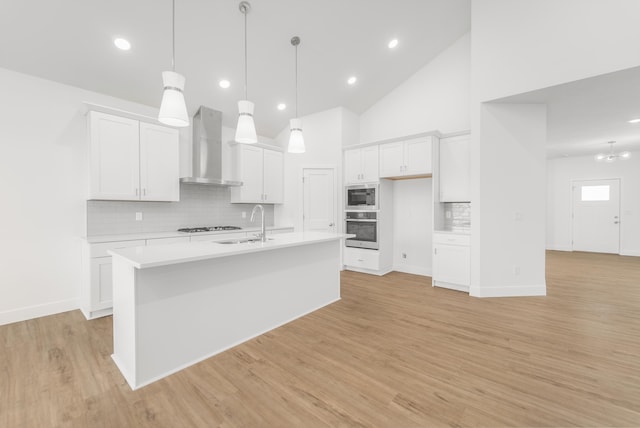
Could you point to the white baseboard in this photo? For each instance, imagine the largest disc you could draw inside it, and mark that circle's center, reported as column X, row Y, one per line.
column 630, row 253
column 559, row 248
column 37, row 311
column 514, row 291
column 415, row 270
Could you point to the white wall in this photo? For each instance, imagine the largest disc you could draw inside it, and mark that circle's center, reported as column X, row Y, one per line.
column 323, row 134
column 412, row 226
column 508, row 208
column 520, row 46
column 43, row 162
column 560, row 173
column 435, row 98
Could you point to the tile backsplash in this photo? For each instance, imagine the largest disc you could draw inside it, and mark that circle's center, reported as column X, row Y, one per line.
column 198, row 206
column 457, row 216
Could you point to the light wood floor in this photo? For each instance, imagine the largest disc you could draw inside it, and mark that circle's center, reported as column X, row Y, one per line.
column 394, row 352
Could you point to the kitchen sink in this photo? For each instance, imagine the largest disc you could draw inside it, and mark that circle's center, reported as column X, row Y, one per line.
column 241, row 241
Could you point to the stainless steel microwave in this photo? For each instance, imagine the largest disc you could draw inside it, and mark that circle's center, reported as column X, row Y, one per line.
column 362, row 197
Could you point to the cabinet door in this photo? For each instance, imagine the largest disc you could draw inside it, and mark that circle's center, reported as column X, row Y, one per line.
column 451, row 263
column 101, row 283
column 391, row 160
column 454, row 170
column 114, row 157
column 273, row 177
column 352, row 166
column 417, row 156
column 370, row 166
column 159, row 163
column 249, row 170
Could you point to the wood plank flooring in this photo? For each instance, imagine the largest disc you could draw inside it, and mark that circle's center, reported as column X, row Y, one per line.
column 394, row 352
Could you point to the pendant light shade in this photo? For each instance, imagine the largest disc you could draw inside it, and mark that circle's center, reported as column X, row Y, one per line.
column 296, row 139
column 246, row 128
column 173, row 110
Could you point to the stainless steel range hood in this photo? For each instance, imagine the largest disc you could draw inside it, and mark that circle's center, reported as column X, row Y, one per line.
column 207, row 150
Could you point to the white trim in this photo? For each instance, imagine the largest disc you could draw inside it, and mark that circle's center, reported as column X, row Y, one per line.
column 513, row 291
column 413, row 269
column 559, row 247
column 434, row 133
column 368, row 271
column 630, row 253
column 37, row 311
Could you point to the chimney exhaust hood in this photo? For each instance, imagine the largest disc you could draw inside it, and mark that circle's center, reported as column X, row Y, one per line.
column 207, row 150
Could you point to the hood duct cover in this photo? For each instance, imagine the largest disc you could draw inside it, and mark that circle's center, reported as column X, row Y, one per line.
column 207, row 149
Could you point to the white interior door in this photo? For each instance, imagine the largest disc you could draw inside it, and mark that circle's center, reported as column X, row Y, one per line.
column 596, row 216
column 319, row 211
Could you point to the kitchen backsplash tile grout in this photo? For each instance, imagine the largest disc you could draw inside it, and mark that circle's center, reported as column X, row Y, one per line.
column 198, row 206
column 457, row 216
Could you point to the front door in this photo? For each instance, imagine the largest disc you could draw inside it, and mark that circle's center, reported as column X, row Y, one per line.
column 319, row 212
column 596, row 216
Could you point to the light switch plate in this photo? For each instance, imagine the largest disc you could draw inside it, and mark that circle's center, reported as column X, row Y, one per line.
column 138, row 216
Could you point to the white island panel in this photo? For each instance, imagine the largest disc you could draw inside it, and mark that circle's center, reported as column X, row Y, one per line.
column 171, row 316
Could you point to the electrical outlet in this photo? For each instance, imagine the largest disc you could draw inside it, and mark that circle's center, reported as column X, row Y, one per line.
column 244, row 214
column 447, row 214
column 516, row 270
column 404, row 255
column 138, row 216
column 518, row 216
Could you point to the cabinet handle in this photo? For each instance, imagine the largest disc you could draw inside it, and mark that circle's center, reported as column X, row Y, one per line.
column 435, row 251
column 136, row 191
column 265, row 196
column 360, row 260
column 144, row 192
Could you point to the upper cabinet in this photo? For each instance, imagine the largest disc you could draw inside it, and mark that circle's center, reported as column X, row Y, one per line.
column 361, row 165
column 409, row 158
column 132, row 160
column 454, row 169
column 261, row 172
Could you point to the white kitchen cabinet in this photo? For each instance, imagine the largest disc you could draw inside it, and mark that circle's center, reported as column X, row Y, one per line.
column 359, row 258
column 407, row 158
column 132, row 160
column 361, row 165
column 261, row 173
column 454, row 169
column 97, row 284
column 451, row 261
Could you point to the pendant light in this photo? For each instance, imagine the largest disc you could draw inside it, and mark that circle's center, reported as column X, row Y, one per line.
column 173, row 110
column 296, row 140
column 246, row 129
column 611, row 156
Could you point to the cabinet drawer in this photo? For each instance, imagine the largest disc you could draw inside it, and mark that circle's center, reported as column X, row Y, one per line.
column 451, row 239
column 217, row 236
column 100, row 250
column 162, row 241
column 366, row 259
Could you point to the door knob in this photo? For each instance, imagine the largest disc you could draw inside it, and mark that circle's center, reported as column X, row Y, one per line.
column 331, row 224
column 616, row 222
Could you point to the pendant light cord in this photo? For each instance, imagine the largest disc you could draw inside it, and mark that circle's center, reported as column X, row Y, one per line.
column 296, row 80
column 173, row 54
column 245, row 54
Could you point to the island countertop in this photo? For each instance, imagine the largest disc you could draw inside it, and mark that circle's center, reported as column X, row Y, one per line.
column 162, row 255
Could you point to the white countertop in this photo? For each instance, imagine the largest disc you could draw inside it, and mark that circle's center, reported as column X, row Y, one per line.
column 98, row 239
column 453, row 232
column 162, row 255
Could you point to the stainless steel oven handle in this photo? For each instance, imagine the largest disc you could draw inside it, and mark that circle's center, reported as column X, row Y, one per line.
column 363, row 220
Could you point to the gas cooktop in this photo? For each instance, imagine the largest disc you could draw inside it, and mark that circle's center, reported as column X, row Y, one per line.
column 208, row 229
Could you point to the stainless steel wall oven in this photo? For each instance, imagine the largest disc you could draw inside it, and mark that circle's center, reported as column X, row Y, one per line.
column 363, row 224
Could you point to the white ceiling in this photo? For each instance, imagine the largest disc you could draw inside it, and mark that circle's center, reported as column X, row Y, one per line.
column 582, row 116
column 71, row 41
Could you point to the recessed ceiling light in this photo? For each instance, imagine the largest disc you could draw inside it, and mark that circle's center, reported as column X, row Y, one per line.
column 634, row 121
column 282, row 106
column 393, row 43
column 122, row 44
column 352, row 80
column 224, row 83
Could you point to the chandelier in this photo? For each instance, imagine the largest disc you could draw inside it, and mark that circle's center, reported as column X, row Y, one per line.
column 611, row 156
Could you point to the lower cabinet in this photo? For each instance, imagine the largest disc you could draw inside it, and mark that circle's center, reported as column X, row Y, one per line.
column 365, row 260
column 451, row 261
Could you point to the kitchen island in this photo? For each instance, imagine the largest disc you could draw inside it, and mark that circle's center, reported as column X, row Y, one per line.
column 175, row 305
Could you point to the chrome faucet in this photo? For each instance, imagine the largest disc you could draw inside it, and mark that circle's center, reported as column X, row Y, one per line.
column 263, row 231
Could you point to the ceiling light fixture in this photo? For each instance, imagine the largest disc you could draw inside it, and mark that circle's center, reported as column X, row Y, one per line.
column 296, row 140
column 173, row 110
column 634, row 121
column 611, row 156
column 282, row 106
column 246, row 129
column 393, row 43
column 224, row 84
column 122, row 44
column 352, row 80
